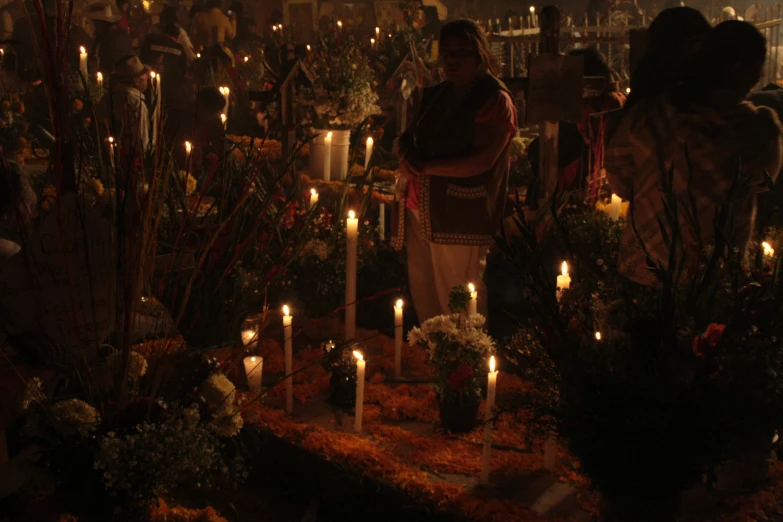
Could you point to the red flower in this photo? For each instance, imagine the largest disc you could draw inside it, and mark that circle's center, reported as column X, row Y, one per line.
column 709, row 339
column 459, row 377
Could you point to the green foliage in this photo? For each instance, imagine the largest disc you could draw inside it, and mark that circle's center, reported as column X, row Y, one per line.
column 459, row 299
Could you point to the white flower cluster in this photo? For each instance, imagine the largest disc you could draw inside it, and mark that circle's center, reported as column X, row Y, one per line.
column 74, row 416
column 466, row 332
column 219, row 395
column 315, row 248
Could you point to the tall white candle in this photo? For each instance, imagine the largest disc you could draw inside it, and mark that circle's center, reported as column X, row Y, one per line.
column 99, row 76
column 155, row 85
column 398, row 336
column 328, row 156
column 382, row 220
column 492, row 381
column 352, row 242
column 313, row 198
column 614, row 207
column 378, row 34
column 254, row 366
column 289, row 360
column 223, row 119
column 473, row 304
column 360, row 367
column 83, row 62
column 368, row 153
column 563, row 280
column 111, row 151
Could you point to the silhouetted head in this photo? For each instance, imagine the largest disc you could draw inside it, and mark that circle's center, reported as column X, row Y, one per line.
column 465, row 52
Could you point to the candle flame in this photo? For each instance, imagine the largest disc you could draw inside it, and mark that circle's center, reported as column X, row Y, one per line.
column 188, row 147
column 100, row 76
column 627, row 90
column 399, row 303
column 222, row 116
column 340, row 23
column 532, row 9
column 313, row 192
column 492, row 364
column 372, row 41
column 111, row 140
column 358, row 355
column 329, row 135
column 82, row 50
column 351, row 214
column 377, row 29
column 471, row 287
column 152, row 74
column 247, row 59
column 198, row 55
column 597, row 336
column 286, row 311
column 252, row 359
column 309, row 48
column 565, row 268
column 369, row 142
column 768, row 250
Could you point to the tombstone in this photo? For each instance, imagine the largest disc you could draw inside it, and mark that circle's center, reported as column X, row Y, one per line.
column 63, row 282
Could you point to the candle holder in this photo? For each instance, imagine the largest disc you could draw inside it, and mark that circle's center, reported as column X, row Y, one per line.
column 342, row 384
column 250, row 331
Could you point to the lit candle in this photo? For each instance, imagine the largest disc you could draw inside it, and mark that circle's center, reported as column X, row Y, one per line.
column 226, row 92
column 352, row 240
column 223, row 119
column 111, row 151
column 253, row 369
column 563, row 281
column 188, row 155
column 198, row 55
column 492, row 381
column 597, row 336
column 155, row 85
column 360, row 366
column 533, row 18
column 768, row 250
column 100, row 84
column 313, row 198
column 368, row 153
column 340, row 25
column 247, row 59
column 398, row 333
column 328, row 156
column 382, row 220
column 289, row 360
column 309, row 48
column 614, row 207
column 377, row 34
column 473, row 304
column 372, row 43
column 83, row 62
column 249, row 338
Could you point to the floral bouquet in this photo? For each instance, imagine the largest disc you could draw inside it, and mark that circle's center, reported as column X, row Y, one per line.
column 343, row 93
column 458, row 347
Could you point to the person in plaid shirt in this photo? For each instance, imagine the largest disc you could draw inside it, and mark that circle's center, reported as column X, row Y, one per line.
column 703, row 126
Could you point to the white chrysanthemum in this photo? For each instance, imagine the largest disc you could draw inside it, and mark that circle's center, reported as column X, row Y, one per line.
column 33, row 393
column 74, row 416
column 316, row 248
column 219, row 393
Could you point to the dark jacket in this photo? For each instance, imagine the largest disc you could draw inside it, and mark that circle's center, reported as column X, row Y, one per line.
column 110, row 48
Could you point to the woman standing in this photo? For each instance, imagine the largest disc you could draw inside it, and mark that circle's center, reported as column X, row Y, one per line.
column 454, row 162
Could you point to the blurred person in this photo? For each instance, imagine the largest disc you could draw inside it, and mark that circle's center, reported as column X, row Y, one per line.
column 210, row 22
column 129, row 115
column 168, row 18
column 124, row 22
column 111, row 41
column 702, row 130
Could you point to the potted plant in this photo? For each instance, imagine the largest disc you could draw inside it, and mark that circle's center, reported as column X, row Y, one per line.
column 341, row 97
column 458, row 347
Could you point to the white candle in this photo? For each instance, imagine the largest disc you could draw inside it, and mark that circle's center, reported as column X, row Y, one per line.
column 372, row 43
column 226, row 92
column 155, row 84
column 100, row 84
column 360, row 366
column 254, row 366
column 377, row 34
column 328, row 156
column 111, row 151
column 289, row 360
column 492, row 381
column 83, row 62
column 352, row 241
column 313, row 198
column 223, row 119
column 368, row 153
column 563, row 281
column 473, row 304
column 614, row 207
column 382, row 220
column 398, row 335
column 188, row 155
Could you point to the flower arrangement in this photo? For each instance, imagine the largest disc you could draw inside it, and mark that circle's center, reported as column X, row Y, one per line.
column 343, row 94
column 458, row 348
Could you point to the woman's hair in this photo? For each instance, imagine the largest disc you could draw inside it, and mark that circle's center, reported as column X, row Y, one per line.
column 595, row 62
column 461, row 29
column 672, row 39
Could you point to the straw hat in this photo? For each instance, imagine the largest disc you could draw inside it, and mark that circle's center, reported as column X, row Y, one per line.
column 102, row 13
column 130, row 67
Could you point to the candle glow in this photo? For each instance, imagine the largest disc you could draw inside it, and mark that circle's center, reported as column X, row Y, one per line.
column 564, row 269
column 286, row 311
column 398, row 335
column 492, row 363
column 597, row 336
column 768, row 250
column 188, row 147
column 351, row 214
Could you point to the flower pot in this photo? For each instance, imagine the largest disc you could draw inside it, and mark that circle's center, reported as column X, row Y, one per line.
column 341, row 140
column 647, row 508
column 458, row 417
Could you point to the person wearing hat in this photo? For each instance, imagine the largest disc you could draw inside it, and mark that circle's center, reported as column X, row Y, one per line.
column 111, row 41
column 129, row 115
column 212, row 23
